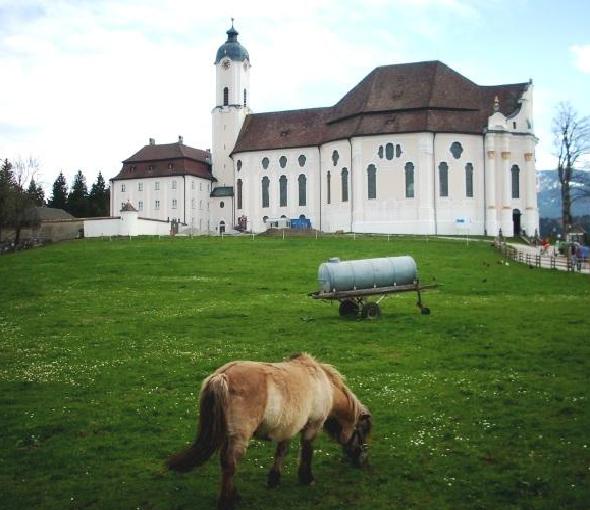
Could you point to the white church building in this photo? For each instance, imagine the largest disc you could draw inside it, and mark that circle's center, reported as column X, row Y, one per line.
column 414, row 148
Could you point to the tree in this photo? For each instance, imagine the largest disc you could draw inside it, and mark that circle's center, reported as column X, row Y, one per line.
column 99, row 198
column 36, row 193
column 77, row 204
column 59, row 195
column 6, row 187
column 572, row 143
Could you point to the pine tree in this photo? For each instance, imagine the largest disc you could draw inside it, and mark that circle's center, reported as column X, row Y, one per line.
column 59, row 196
column 6, row 188
column 36, row 193
column 77, row 204
column 99, row 198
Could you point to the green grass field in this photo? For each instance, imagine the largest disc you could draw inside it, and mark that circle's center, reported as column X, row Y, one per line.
column 103, row 345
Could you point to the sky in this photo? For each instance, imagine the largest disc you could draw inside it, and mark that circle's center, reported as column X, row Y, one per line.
column 86, row 83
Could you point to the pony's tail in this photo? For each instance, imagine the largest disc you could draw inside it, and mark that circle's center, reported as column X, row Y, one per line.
column 212, row 426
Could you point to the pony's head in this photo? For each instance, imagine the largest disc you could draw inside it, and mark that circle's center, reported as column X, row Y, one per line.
column 354, row 440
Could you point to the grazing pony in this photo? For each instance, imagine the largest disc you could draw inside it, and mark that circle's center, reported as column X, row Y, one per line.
column 273, row 401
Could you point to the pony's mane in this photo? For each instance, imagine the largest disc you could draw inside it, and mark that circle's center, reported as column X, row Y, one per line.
column 336, row 378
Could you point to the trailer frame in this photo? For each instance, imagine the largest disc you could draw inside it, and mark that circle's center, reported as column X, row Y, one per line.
column 355, row 301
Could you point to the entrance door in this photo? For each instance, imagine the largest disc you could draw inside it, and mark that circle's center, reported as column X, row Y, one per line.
column 222, row 227
column 516, row 222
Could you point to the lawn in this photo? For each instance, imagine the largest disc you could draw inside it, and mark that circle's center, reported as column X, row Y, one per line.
column 484, row 404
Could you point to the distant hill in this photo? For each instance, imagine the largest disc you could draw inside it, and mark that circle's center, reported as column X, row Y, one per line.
column 549, row 199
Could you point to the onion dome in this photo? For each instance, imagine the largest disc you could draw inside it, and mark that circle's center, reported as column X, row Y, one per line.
column 232, row 49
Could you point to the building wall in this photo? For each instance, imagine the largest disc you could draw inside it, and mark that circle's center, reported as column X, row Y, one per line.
column 190, row 193
column 128, row 224
column 391, row 211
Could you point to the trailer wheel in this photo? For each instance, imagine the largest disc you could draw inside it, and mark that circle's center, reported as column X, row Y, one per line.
column 371, row 311
column 348, row 308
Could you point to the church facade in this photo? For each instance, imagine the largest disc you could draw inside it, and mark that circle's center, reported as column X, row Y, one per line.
column 414, row 148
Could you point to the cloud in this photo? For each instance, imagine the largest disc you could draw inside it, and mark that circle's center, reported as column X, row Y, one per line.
column 582, row 57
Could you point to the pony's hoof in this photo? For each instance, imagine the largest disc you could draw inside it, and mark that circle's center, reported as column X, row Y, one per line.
column 229, row 502
column 273, row 480
column 306, row 479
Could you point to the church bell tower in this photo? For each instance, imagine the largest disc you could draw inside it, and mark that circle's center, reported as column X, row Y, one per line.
column 232, row 68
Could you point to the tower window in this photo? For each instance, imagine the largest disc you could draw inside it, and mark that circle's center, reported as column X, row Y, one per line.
column 328, row 188
column 245, row 97
column 371, row 182
column 344, row 179
column 225, row 96
column 302, row 189
column 469, row 180
column 283, row 191
column 265, row 198
column 409, row 170
column 515, row 181
column 174, row 204
column 443, row 179
column 239, row 165
column 240, row 187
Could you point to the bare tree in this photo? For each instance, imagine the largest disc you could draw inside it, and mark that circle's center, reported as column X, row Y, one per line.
column 572, row 144
column 22, row 212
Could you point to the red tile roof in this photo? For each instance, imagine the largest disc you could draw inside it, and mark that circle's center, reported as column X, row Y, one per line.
column 401, row 98
column 166, row 160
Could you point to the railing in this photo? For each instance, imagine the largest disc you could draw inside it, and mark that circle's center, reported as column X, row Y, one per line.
column 545, row 261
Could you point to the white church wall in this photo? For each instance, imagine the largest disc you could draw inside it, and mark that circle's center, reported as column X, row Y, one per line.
column 252, row 173
column 458, row 214
column 336, row 215
column 391, row 211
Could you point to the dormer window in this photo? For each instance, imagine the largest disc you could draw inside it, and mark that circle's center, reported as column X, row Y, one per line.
column 150, row 167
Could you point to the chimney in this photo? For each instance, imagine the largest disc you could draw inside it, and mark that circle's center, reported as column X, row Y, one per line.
column 152, row 141
column 180, row 139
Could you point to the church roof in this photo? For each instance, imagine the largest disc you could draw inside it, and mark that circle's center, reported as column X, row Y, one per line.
column 401, row 98
column 232, row 48
column 166, row 160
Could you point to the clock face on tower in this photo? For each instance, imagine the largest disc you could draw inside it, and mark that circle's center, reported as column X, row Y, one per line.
column 226, row 64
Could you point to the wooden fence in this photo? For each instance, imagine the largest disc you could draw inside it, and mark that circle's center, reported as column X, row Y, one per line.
column 545, row 261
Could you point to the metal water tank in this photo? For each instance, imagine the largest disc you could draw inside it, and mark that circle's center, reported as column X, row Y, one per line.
column 336, row 275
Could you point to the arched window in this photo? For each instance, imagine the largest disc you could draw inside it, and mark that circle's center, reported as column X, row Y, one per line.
column 265, row 185
column 225, row 96
column 301, row 160
column 283, row 191
column 283, row 161
column 265, row 163
column 380, row 152
column 371, row 182
column 302, row 189
column 389, row 151
column 245, row 97
column 335, row 157
column 344, row 179
column 443, row 179
column 469, row 180
column 240, row 187
column 239, row 164
column 398, row 150
column 328, row 187
column 515, row 181
column 409, row 170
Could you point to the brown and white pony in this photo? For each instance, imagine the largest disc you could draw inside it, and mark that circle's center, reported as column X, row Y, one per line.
column 273, row 401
